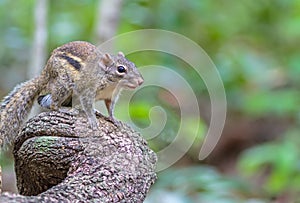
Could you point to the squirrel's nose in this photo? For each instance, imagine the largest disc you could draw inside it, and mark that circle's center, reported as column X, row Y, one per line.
column 140, row 81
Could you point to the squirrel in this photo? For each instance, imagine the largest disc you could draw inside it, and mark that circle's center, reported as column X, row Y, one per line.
column 77, row 69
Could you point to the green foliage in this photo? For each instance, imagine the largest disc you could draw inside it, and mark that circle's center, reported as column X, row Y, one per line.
column 255, row 46
column 280, row 103
column 277, row 161
column 152, row 112
column 198, row 184
column 71, row 20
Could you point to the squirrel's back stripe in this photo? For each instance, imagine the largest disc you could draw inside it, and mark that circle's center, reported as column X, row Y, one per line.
column 73, row 62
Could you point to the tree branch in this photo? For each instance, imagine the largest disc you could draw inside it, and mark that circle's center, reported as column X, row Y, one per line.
column 38, row 53
column 108, row 19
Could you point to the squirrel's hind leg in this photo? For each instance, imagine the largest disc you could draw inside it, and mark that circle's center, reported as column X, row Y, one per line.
column 59, row 94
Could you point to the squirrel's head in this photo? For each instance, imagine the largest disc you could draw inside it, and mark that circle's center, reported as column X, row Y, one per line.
column 122, row 71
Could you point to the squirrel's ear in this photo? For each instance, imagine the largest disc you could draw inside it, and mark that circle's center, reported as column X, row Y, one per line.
column 121, row 54
column 106, row 59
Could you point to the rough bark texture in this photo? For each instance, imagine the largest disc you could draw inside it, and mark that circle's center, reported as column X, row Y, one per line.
column 58, row 158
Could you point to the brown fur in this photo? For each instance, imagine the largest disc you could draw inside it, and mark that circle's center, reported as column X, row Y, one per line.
column 74, row 69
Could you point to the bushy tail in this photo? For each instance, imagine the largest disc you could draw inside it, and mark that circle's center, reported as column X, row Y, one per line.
column 15, row 108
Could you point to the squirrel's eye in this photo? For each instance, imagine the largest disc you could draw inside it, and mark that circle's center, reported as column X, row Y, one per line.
column 121, row 69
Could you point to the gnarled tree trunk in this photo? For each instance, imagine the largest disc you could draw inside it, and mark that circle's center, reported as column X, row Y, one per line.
column 58, row 158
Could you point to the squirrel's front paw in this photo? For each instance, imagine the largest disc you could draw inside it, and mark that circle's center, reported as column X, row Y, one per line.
column 98, row 113
column 113, row 121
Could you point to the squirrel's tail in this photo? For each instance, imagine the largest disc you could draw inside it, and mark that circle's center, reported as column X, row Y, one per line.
column 15, row 108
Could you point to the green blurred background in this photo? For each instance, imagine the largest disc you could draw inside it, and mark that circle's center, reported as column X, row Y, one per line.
column 254, row 45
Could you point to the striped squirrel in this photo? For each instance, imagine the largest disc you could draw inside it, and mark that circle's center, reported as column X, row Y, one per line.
column 74, row 69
